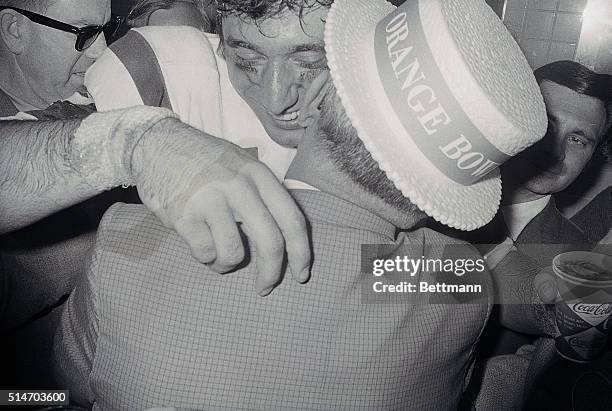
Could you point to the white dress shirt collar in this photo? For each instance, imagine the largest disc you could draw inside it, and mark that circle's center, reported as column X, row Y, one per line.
column 298, row 185
column 517, row 216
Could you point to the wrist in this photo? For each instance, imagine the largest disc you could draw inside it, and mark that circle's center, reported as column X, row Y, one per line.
column 104, row 144
column 149, row 145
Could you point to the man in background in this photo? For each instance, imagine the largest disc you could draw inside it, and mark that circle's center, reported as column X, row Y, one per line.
column 529, row 230
column 42, row 64
column 578, row 103
column 578, row 107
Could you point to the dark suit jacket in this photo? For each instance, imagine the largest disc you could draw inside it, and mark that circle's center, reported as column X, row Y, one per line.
column 549, row 227
column 595, row 219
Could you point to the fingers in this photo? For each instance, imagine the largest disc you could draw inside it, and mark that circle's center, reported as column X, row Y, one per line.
column 292, row 224
column 309, row 112
column 271, row 220
column 224, row 230
column 197, row 234
column 267, row 238
column 205, row 186
column 212, row 234
column 545, row 285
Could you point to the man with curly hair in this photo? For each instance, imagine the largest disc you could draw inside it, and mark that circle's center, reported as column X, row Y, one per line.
column 268, row 52
column 273, row 50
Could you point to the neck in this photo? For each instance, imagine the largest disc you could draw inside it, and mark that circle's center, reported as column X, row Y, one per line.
column 514, row 192
column 312, row 165
column 14, row 84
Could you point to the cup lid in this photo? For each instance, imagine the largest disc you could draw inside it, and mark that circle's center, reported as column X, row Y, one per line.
column 584, row 268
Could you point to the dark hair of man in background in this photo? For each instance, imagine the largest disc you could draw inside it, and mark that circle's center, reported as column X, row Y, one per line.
column 580, row 79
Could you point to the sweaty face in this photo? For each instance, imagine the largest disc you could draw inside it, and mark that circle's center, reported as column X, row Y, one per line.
column 271, row 64
column 576, row 124
column 50, row 64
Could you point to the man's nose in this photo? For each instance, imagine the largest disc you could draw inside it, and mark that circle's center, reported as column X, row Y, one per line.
column 97, row 48
column 281, row 88
column 553, row 145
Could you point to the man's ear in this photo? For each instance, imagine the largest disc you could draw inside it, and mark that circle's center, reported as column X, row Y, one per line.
column 12, row 30
column 310, row 111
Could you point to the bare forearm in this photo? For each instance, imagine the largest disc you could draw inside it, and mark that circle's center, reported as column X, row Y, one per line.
column 195, row 183
column 35, row 177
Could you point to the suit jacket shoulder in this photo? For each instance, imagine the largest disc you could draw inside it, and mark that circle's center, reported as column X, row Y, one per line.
column 551, row 227
column 595, row 219
column 550, row 233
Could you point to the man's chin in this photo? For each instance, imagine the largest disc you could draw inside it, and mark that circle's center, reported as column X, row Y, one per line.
column 286, row 138
column 542, row 186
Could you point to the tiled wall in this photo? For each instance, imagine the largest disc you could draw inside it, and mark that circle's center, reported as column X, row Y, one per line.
column 595, row 46
column 546, row 30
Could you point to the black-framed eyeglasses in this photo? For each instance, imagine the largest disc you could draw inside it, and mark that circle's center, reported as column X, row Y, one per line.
column 86, row 36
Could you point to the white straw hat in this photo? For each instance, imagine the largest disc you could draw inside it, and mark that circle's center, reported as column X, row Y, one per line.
column 440, row 94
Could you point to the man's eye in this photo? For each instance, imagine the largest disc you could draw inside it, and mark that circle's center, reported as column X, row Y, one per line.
column 246, row 54
column 577, row 140
column 248, row 65
column 316, row 65
column 312, row 62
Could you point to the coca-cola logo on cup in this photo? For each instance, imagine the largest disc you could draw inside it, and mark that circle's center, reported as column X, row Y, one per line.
column 592, row 309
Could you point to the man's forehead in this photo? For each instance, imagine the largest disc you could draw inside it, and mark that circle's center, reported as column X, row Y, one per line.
column 561, row 100
column 80, row 12
column 289, row 30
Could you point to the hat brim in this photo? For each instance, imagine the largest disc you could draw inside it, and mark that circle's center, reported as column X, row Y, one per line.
column 350, row 25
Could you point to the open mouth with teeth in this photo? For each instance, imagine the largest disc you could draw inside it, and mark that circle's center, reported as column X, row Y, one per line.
column 287, row 121
column 288, row 116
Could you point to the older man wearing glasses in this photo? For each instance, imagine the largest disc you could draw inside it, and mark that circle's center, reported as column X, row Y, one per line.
column 46, row 46
column 42, row 59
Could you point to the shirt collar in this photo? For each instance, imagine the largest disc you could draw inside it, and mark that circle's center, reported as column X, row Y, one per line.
column 517, row 216
column 320, row 206
column 292, row 184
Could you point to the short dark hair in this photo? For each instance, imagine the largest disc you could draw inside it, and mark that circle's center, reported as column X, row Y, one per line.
column 340, row 140
column 582, row 80
column 257, row 10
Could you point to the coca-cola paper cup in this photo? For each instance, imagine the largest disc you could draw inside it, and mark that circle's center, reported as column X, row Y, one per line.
column 584, row 304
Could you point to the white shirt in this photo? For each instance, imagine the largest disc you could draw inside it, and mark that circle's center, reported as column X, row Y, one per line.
column 517, row 216
column 298, row 185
